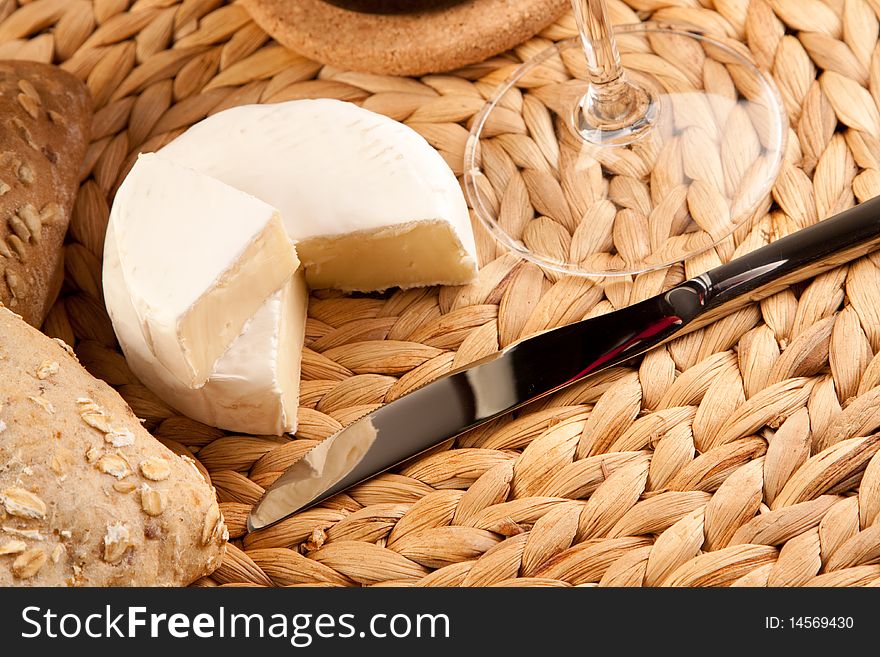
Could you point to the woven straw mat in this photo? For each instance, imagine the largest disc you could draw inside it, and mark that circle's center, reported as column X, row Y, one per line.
column 742, row 454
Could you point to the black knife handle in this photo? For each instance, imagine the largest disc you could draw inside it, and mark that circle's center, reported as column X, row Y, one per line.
column 556, row 358
column 797, row 257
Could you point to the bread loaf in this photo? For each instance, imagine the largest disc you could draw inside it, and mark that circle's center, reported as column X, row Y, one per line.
column 87, row 496
column 44, row 121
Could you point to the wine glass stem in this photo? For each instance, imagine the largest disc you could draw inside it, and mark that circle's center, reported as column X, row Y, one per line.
column 612, row 102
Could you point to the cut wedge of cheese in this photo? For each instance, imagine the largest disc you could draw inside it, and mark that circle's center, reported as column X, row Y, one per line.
column 370, row 204
column 197, row 271
column 198, row 258
column 254, row 386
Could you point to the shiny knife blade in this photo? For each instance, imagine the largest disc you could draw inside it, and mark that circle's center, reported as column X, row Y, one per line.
column 549, row 361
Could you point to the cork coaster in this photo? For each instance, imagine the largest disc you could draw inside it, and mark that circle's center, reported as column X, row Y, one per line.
column 746, row 453
column 409, row 44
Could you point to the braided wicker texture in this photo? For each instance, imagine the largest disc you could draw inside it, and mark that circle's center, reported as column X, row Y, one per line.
column 742, row 454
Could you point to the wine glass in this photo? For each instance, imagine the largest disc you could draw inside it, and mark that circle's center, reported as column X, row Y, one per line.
column 620, row 152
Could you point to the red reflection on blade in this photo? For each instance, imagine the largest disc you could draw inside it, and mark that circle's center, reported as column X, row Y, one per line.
column 646, row 333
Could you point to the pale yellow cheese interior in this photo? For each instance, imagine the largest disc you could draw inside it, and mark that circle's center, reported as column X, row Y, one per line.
column 207, row 329
column 405, row 255
column 291, row 336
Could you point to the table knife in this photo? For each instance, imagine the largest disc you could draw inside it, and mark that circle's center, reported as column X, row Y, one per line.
column 549, row 361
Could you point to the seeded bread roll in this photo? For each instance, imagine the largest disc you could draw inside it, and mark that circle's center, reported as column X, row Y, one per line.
column 44, row 123
column 87, row 496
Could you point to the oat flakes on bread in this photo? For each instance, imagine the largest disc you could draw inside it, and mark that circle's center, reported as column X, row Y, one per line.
column 45, row 114
column 87, row 496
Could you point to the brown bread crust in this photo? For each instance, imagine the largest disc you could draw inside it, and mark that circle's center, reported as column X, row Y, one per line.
column 87, row 496
column 44, row 124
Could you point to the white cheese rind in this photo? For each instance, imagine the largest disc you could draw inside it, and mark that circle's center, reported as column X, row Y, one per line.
column 334, row 170
column 193, row 296
column 254, row 386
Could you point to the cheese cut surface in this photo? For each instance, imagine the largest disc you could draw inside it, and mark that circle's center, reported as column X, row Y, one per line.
column 254, row 386
column 198, row 258
column 370, row 204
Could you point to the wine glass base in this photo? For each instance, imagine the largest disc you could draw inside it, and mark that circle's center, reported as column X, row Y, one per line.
column 579, row 195
column 635, row 123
